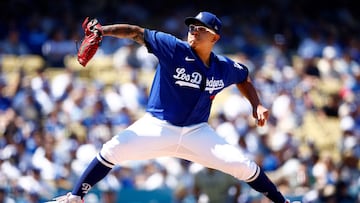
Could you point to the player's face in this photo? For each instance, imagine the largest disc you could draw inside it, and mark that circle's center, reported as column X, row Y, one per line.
column 199, row 34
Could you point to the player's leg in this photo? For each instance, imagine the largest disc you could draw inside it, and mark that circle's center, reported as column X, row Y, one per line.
column 145, row 139
column 202, row 145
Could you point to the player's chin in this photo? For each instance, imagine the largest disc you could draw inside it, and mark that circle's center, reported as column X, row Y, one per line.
column 192, row 43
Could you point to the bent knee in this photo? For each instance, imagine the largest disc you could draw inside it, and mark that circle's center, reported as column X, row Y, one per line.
column 245, row 171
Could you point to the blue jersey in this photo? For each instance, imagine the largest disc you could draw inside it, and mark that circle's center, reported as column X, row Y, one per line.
column 183, row 87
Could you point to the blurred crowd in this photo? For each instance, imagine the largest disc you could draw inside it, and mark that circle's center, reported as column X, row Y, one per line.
column 305, row 62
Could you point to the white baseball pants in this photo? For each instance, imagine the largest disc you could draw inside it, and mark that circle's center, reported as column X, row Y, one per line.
column 150, row 137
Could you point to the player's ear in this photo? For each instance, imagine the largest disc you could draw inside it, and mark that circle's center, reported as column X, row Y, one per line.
column 215, row 38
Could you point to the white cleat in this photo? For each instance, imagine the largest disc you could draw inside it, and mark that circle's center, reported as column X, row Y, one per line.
column 68, row 198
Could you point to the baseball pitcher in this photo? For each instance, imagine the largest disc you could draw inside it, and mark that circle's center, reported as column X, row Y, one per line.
column 187, row 79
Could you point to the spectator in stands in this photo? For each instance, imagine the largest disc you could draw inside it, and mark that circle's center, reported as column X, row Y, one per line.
column 13, row 44
column 311, row 45
column 5, row 101
column 57, row 47
column 32, row 183
column 125, row 57
column 213, row 186
column 41, row 90
column 4, row 196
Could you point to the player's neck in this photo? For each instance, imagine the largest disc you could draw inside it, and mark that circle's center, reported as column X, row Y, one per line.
column 204, row 55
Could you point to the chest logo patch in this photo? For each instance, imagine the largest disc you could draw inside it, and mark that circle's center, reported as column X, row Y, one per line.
column 194, row 80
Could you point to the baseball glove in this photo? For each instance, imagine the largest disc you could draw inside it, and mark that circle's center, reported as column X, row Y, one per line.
column 91, row 41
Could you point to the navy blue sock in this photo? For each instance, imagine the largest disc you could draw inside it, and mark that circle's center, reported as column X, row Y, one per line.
column 264, row 185
column 92, row 174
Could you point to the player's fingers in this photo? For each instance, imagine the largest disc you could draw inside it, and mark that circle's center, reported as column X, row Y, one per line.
column 260, row 122
column 261, row 119
column 266, row 115
column 261, row 115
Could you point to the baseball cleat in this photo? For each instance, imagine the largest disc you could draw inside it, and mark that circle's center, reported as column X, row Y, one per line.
column 68, row 198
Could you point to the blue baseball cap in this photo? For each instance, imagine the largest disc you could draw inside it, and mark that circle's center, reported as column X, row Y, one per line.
column 207, row 19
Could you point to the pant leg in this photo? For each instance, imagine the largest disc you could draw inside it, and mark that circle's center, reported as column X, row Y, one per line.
column 147, row 138
column 201, row 144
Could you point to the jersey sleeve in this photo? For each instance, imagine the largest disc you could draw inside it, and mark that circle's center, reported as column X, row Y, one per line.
column 242, row 70
column 235, row 72
column 161, row 44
